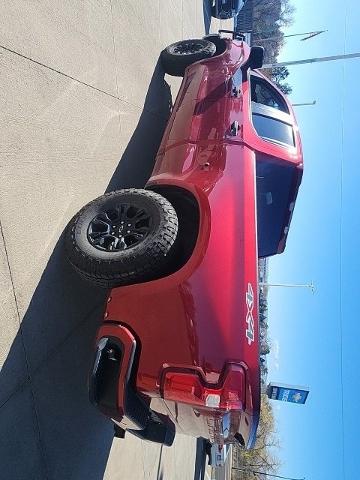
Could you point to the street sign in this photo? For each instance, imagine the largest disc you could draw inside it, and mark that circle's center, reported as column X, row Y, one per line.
column 287, row 393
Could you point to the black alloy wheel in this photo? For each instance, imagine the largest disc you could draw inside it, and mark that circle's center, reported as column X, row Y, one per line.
column 178, row 56
column 120, row 228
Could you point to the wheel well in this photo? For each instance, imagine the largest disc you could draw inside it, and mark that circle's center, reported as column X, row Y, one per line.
column 187, row 210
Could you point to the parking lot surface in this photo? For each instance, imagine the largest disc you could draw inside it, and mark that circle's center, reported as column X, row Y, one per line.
column 83, row 104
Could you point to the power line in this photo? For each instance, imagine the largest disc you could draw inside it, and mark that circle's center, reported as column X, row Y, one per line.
column 309, row 35
column 267, row 474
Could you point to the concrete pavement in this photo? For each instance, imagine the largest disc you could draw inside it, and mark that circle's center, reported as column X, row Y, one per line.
column 83, row 106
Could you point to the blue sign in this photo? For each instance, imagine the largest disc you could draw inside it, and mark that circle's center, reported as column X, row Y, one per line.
column 287, row 393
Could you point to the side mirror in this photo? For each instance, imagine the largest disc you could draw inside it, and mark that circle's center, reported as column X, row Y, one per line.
column 256, row 58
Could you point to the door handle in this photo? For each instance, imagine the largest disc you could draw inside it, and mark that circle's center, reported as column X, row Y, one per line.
column 234, row 128
column 236, row 92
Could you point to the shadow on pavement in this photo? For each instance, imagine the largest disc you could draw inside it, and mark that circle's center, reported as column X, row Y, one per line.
column 200, row 460
column 49, row 430
column 207, row 15
column 137, row 161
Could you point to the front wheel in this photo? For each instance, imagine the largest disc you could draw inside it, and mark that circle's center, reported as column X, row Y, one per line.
column 123, row 237
column 177, row 56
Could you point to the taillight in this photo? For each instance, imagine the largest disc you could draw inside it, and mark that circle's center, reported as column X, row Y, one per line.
column 188, row 388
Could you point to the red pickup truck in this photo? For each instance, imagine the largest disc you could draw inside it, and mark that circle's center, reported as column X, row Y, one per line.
column 178, row 349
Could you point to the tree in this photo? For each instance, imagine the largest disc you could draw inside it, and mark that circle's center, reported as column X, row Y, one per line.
column 262, row 456
column 262, row 316
column 263, row 304
column 285, row 88
column 283, row 9
column 265, row 348
column 287, row 13
column 279, row 74
column 269, row 16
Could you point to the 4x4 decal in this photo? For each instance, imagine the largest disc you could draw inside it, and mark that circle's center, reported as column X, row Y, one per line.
column 250, row 334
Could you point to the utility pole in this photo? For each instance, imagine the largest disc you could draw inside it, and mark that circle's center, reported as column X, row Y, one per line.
column 289, row 285
column 346, row 56
column 304, row 104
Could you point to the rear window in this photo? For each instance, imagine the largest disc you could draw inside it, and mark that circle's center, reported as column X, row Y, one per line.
column 274, row 183
column 273, row 129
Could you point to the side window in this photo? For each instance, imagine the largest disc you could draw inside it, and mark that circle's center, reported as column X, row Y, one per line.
column 270, row 113
column 263, row 93
column 273, row 129
column 274, row 188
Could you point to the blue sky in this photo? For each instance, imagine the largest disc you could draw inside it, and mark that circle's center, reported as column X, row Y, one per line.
column 315, row 337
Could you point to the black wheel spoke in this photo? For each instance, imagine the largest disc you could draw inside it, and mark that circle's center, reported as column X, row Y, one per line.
column 119, row 228
column 111, row 216
column 141, row 230
column 97, row 240
column 104, row 222
column 123, row 243
column 96, row 235
column 122, row 212
column 114, row 244
column 140, row 215
column 137, row 235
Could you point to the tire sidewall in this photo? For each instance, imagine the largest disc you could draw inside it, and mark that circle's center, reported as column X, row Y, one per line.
column 80, row 227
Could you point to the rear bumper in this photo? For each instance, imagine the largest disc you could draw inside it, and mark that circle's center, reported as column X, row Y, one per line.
column 112, row 386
